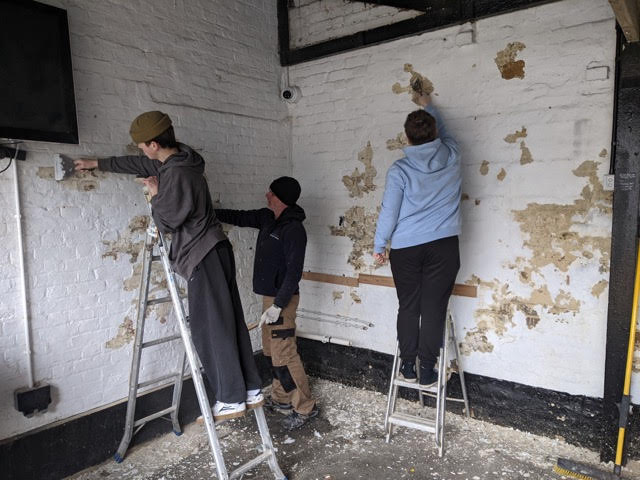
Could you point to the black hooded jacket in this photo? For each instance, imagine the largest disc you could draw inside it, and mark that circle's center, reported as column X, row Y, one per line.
column 182, row 206
column 280, row 248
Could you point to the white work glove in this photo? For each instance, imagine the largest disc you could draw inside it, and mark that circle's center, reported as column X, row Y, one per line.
column 270, row 315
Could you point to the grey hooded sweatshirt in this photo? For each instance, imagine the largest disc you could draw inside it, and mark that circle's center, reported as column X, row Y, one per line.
column 182, row 206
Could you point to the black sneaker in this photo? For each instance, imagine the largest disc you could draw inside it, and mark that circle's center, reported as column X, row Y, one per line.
column 296, row 420
column 408, row 371
column 272, row 404
column 428, row 376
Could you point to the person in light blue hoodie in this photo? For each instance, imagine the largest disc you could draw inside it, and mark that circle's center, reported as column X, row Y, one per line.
column 420, row 215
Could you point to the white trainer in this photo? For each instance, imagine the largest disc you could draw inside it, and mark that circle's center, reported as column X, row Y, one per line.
column 254, row 399
column 225, row 411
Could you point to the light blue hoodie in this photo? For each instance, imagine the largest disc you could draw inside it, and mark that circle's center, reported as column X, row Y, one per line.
column 421, row 200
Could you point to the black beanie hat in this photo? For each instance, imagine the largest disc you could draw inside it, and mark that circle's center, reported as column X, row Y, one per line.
column 287, row 189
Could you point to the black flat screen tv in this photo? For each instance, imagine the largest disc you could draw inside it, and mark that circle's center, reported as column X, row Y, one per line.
column 36, row 79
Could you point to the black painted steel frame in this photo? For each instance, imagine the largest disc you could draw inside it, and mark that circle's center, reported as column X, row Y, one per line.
column 624, row 235
column 439, row 14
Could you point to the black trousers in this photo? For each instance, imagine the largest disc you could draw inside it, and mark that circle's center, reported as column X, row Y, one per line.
column 218, row 328
column 424, row 276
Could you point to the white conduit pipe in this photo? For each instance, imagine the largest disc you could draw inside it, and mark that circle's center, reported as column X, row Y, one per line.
column 25, row 308
column 324, row 338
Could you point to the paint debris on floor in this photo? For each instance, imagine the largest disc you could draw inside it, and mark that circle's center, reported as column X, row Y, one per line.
column 347, row 441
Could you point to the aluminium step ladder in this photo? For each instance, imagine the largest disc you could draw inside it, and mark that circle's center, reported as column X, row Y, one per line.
column 154, row 238
column 439, row 392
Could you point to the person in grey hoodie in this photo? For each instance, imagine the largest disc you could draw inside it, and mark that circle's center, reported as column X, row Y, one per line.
column 200, row 252
column 420, row 215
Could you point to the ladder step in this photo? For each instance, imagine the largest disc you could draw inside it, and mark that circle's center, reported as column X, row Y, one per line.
column 411, row 421
column 242, row 469
column 153, row 416
column 415, row 386
column 161, row 340
column 156, row 301
column 156, row 380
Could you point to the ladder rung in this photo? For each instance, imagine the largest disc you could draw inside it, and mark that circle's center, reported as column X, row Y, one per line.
column 156, row 258
column 254, row 462
column 415, row 386
column 155, row 301
column 449, row 399
column 161, row 340
column 153, row 416
column 156, row 380
column 411, row 421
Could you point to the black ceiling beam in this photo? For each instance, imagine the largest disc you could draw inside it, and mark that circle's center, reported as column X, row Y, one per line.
column 420, row 5
column 442, row 13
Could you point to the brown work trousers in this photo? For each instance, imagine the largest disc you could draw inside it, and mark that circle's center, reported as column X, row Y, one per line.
column 290, row 383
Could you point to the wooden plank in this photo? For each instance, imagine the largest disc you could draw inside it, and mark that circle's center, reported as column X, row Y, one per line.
column 327, row 278
column 379, row 280
column 628, row 16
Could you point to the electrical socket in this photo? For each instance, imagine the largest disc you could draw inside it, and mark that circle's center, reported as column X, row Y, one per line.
column 608, row 182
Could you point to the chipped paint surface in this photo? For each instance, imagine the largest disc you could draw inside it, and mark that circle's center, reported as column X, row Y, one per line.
column 360, row 183
column 484, row 168
column 355, row 297
column 513, row 137
column 360, row 227
column 552, row 234
column 418, row 84
column 398, row 143
column 603, row 153
column 337, row 295
column 125, row 335
column 125, row 243
column 525, row 156
column 506, row 61
column 501, row 174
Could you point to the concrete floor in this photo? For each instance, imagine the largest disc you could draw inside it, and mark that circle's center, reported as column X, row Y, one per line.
column 347, row 442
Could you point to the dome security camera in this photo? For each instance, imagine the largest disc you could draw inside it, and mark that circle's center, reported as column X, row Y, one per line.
column 290, row 94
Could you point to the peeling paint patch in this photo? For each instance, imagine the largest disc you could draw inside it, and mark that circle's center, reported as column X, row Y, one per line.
column 525, row 156
column 355, row 297
column 360, row 183
column 598, row 288
column 549, row 226
column 418, row 84
column 477, row 201
column 464, row 196
column 398, row 143
column 125, row 243
column 506, row 61
column 530, row 314
column 360, row 227
column 603, row 153
column 484, row 168
column 87, row 185
column 125, row 335
column 46, row 173
column 501, row 174
column 337, row 295
column 475, row 341
column 513, row 137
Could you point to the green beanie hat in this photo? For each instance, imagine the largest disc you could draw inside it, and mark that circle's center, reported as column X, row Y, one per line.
column 148, row 125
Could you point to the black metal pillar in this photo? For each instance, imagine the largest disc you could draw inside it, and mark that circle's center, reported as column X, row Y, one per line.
column 624, row 237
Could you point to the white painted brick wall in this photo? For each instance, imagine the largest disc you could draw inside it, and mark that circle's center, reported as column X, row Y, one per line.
column 347, row 100
column 315, row 21
column 213, row 66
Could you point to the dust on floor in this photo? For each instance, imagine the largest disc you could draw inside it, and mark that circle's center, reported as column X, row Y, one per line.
column 347, row 441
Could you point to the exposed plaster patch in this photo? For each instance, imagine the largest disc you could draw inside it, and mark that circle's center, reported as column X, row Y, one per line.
column 484, row 168
column 513, row 137
column 525, row 156
column 603, row 153
column 125, row 335
column 125, row 243
column 464, row 196
column 477, row 201
column 531, row 316
column 337, row 295
column 360, row 227
column 398, row 143
column 360, row 183
column 506, row 61
column 598, row 288
column 418, row 84
column 355, row 297
column 501, row 174
column 46, row 173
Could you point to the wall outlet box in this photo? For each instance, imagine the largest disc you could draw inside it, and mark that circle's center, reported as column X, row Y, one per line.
column 608, row 182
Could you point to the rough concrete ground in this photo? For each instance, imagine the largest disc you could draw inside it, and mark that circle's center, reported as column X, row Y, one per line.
column 347, row 442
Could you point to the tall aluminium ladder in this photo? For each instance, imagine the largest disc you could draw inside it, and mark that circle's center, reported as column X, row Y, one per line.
column 154, row 238
column 439, row 391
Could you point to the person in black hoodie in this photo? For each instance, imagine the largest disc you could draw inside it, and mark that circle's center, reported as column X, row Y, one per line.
column 277, row 270
column 200, row 252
